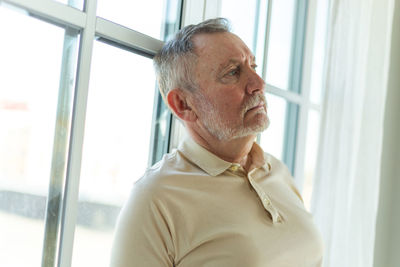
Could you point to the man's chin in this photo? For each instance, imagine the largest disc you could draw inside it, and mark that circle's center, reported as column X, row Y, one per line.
column 260, row 125
column 226, row 133
column 252, row 130
column 260, row 129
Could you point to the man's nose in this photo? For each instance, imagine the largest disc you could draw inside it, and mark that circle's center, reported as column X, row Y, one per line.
column 255, row 84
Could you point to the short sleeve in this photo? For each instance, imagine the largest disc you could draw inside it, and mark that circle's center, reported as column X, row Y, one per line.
column 142, row 236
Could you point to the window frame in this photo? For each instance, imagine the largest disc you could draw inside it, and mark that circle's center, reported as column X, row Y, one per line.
column 92, row 28
column 60, row 227
column 297, row 97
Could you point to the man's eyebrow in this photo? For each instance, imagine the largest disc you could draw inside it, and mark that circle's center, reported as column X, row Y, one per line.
column 225, row 65
column 235, row 62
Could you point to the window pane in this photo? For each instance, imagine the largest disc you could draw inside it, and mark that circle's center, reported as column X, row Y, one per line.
column 30, row 66
column 280, row 43
column 116, row 146
column 272, row 139
column 157, row 18
column 242, row 15
column 73, row 3
column 311, row 155
column 248, row 21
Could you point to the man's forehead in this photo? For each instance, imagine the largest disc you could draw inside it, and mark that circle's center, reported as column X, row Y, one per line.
column 224, row 44
column 237, row 60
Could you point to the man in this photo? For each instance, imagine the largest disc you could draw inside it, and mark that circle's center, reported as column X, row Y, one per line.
column 218, row 200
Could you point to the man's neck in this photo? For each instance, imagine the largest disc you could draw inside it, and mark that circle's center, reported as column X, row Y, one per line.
column 235, row 150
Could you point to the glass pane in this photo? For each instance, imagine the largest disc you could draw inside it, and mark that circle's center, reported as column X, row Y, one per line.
column 280, row 43
column 319, row 51
column 242, row 15
column 116, row 146
column 157, row 18
column 311, row 155
column 30, row 66
column 272, row 139
column 160, row 131
column 248, row 20
column 73, row 3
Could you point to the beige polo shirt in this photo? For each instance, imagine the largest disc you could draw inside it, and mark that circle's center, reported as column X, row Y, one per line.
column 194, row 209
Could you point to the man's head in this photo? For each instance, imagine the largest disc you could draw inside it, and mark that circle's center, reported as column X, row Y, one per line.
column 175, row 62
column 207, row 76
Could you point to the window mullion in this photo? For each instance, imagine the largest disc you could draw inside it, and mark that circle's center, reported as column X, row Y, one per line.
column 127, row 38
column 267, row 37
column 287, row 95
column 60, row 148
column 296, row 122
column 305, row 93
column 52, row 11
column 193, row 11
column 212, row 9
column 298, row 46
column 71, row 194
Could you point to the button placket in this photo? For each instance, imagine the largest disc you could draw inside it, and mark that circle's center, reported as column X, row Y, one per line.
column 236, row 169
column 266, row 201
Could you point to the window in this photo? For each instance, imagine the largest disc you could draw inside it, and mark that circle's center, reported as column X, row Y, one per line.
column 77, row 114
column 35, row 114
column 81, row 115
column 115, row 148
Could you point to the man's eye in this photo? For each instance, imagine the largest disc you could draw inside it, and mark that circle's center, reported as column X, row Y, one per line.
column 233, row 72
column 254, row 66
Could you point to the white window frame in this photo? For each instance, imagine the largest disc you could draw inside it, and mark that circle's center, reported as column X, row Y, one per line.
column 92, row 27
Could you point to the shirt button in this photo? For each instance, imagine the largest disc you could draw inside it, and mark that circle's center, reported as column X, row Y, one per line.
column 266, row 201
column 234, row 167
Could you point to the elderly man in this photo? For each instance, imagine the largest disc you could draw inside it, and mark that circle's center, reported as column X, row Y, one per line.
column 218, row 200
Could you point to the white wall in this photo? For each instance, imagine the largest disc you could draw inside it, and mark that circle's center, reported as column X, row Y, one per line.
column 387, row 243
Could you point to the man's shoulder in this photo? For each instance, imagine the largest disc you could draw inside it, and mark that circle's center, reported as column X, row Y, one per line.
column 160, row 182
column 170, row 167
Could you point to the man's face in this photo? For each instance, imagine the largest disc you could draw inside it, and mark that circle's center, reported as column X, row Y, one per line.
column 229, row 101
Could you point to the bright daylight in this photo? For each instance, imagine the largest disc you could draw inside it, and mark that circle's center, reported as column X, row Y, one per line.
column 183, row 133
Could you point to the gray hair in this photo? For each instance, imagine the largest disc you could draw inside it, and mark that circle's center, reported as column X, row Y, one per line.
column 175, row 62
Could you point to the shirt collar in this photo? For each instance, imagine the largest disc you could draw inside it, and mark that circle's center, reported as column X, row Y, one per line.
column 259, row 159
column 214, row 165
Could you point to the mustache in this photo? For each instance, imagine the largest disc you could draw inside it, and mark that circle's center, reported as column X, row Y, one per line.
column 254, row 101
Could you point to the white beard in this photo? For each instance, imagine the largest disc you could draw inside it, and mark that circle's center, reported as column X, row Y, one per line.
column 220, row 128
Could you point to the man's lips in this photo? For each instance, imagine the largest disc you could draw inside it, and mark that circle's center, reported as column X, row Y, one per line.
column 259, row 106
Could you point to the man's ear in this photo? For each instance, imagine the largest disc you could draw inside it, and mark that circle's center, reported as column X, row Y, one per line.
column 177, row 101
